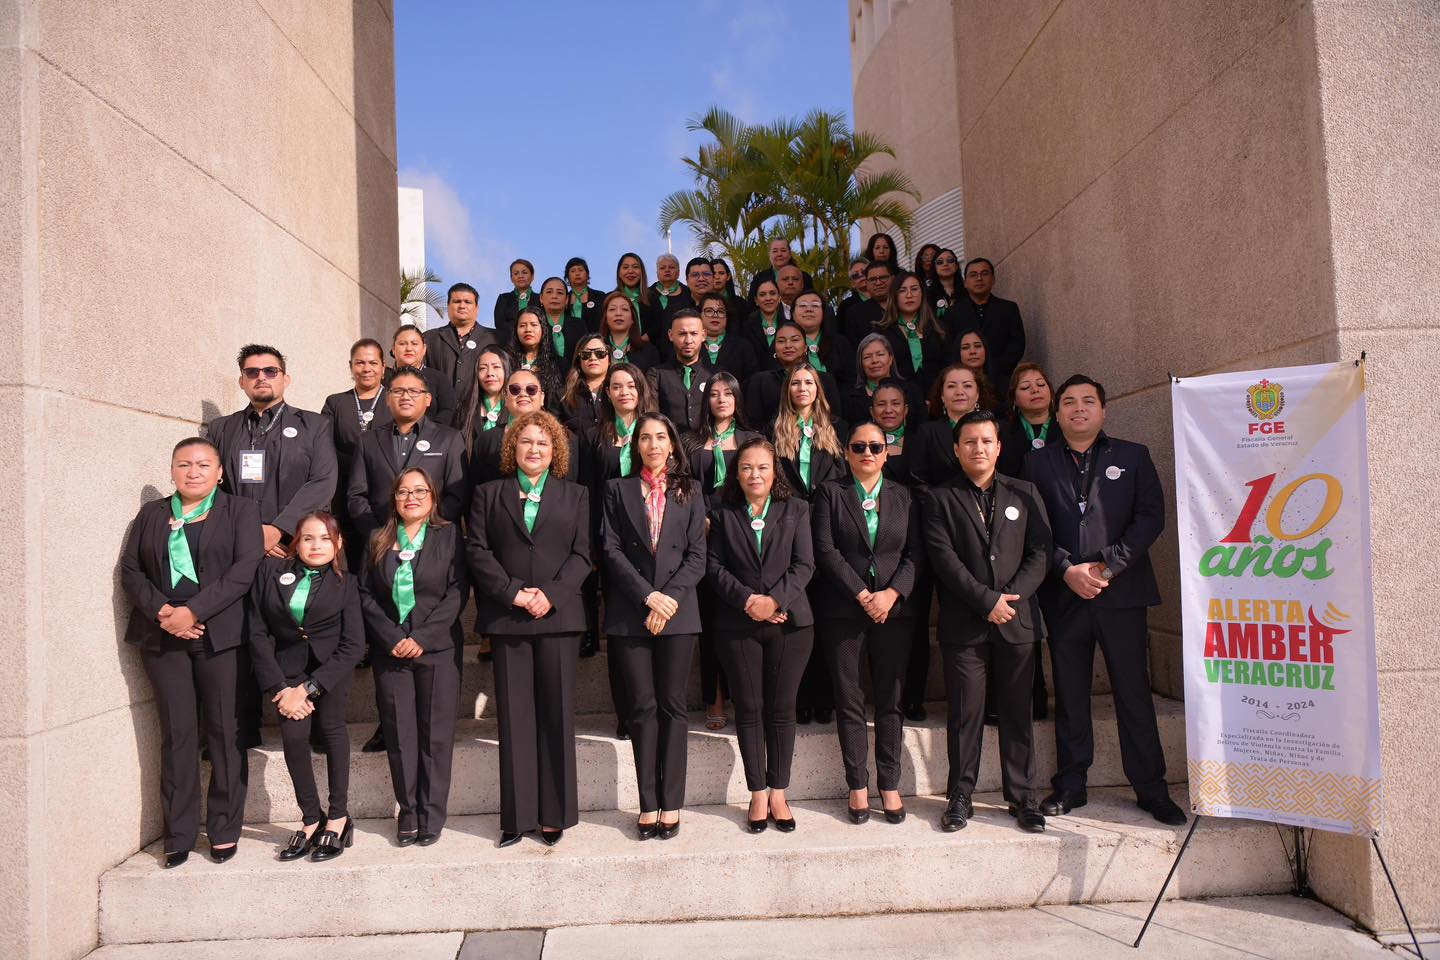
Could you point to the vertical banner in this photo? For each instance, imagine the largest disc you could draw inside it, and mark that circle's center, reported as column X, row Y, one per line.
column 1281, row 705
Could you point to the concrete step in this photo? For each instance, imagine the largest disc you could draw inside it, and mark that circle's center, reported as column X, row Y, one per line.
column 715, row 869
column 715, row 774
column 592, row 687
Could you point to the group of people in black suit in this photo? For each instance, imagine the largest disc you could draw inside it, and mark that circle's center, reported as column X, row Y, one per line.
column 666, row 464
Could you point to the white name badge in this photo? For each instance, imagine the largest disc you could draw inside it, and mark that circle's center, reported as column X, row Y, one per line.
column 493, row 415
column 702, row 386
column 556, row 328
column 868, row 504
column 176, row 523
column 589, row 304
column 286, row 579
column 367, row 416
column 1012, row 513
column 423, row 445
column 814, row 348
column 809, row 431
column 618, row 354
column 406, row 556
column 469, row 344
column 757, row 524
column 941, row 304
column 1037, row 443
column 890, row 439
column 769, row 331
column 1113, row 472
column 291, row 432
column 252, row 466
column 534, row 497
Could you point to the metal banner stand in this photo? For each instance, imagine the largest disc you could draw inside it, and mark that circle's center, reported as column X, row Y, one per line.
column 1299, row 867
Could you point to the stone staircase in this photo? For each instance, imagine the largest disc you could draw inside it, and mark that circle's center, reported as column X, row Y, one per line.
column 1108, row 851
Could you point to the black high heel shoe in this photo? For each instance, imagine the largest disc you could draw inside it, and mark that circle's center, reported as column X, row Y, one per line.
column 331, row 844
column 508, row 839
column 300, row 844
column 406, row 838
column 646, row 831
column 668, row 830
column 222, row 854
column 551, row 837
column 173, row 860
column 859, row 815
column 895, row 816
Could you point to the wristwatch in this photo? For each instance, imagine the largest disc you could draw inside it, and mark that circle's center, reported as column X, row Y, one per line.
column 312, row 690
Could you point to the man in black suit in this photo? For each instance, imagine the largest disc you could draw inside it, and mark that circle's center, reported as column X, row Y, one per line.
column 679, row 383
column 989, row 545
column 780, row 255
column 859, row 292
column 865, row 317
column 352, row 412
column 451, row 350
column 281, row 457
column 410, row 349
column 725, row 349
column 1106, row 507
column 997, row 319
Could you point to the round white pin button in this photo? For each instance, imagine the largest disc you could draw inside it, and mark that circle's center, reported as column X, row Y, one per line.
column 809, row 431
column 407, row 555
column 814, row 348
column 757, row 524
column 1038, row 442
column 1113, row 472
column 286, row 579
column 533, row 497
column 470, row 345
column 291, row 432
column 422, row 445
column 890, row 438
column 618, row 354
column 556, row 328
column 367, row 416
column 1012, row 513
column 941, row 303
column 176, row 523
column 868, row 504
column 492, row 415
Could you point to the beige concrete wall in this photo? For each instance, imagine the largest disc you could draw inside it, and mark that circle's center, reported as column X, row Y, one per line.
column 1213, row 185
column 176, row 179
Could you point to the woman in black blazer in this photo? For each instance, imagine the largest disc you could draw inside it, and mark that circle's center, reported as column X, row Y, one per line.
column 411, row 590
column 875, row 362
column 916, row 335
column 759, row 562
column 585, row 384
column 654, row 536
column 306, row 636
column 956, row 392
column 509, row 304
column 187, row 567
column 620, row 326
column 890, row 411
column 532, row 347
column 482, row 406
column 868, row 545
column 632, row 284
column 529, row 551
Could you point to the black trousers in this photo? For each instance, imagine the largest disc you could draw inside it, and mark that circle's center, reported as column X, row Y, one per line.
column 418, row 699
column 917, row 671
column 1012, row 665
column 712, row 674
column 887, row 647
column 194, row 687
column 535, row 704
column 765, row 664
column 656, row 671
column 816, row 690
column 327, row 723
column 1122, row 638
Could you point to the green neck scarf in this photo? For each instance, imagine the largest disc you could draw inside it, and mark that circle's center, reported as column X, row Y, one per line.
column 491, row 410
column 807, row 432
column 522, row 297
column 577, row 300
column 870, row 506
column 1032, row 435
column 713, row 347
column 403, row 590
column 892, row 438
column 619, row 350
column 182, row 565
column 758, row 527
column 622, row 433
column 719, row 438
column 812, row 350
column 864, row 297
column 533, row 492
column 912, row 338
column 301, row 596
column 768, row 326
column 666, row 294
column 632, row 294
column 557, row 334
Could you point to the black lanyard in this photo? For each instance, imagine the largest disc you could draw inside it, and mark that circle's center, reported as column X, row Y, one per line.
column 266, row 428
column 1084, row 469
column 985, row 507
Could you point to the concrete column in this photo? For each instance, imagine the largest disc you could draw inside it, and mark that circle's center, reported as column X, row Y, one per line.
column 176, row 179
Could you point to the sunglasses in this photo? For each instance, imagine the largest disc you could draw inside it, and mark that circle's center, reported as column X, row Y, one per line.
column 255, row 373
column 594, row 353
column 873, row 446
column 528, row 389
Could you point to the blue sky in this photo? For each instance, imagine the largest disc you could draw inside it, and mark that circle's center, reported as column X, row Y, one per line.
column 529, row 143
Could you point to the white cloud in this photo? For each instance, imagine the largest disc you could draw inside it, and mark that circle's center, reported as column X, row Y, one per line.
column 632, row 233
column 456, row 247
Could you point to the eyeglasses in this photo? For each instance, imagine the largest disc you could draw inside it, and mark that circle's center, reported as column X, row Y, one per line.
column 405, row 493
column 979, row 273
column 528, row 390
column 255, row 373
column 874, row 446
column 594, row 353
column 712, row 314
column 878, row 277
column 857, row 276
column 403, row 392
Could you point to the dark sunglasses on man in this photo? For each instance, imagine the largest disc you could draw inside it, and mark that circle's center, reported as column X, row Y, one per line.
column 255, row 373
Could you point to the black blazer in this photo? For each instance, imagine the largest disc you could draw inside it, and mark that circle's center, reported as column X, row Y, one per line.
column 589, row 312
column 808, row 282
column 855, row 405
column 507, row 311
column 667, row 383
column 1015, row 444
column 505, row 558
column 762, row 397
column 844, row 556
column 973, row 567
column 345, row 429
column 229, row 549
column 632, row 571
column 862, row 317
column 934, row 355
column 453, row 360
column 442, row 393
column 333, row 632
column 368, row 492
column 638, row 353
column 735, row 356
column 931, row 452
column 304, row 473
column 782, row 569
column 824, row 466
column 1001, row 326
column 753, row 327
column 702, row 461
column 440, row 585
column 1124, row 515
column 837, row 352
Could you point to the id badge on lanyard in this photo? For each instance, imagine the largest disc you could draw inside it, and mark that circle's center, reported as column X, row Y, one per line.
column 252, row 466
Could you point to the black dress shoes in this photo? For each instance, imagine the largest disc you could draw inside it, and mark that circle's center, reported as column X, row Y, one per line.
column 804, row 715
column 221, row 854
column 551, row 837
column 299, row 844
column 759, row 826
column 668, row 830
column 508, row 839
column 427, row 838
column 589, row 646
column 895, row 816
column 646, row 831
column 915, row 712
column 1028, row 816
column 862, row 815
column 376, row 743
column 957, row 814
column 1061, row 802
column 1165, row 810
column 173, row 860
column 620, row 732
column 824, row 715
column 332, row 844
column 405, row 838
column 784, row 826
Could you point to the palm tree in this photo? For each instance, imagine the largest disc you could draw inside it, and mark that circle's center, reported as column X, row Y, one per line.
column 805, row 181
column 419, row 291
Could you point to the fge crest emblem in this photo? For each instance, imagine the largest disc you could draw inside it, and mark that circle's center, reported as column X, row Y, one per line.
column 1265, row 400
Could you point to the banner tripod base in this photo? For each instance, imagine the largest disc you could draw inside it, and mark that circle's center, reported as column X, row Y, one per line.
column 1302, row 884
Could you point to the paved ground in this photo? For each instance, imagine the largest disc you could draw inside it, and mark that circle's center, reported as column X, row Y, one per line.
column 1239, row 928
